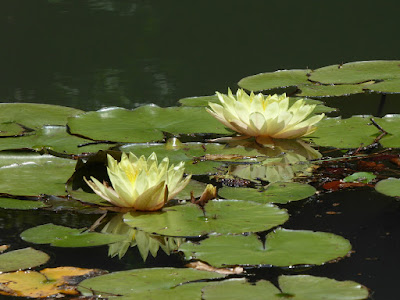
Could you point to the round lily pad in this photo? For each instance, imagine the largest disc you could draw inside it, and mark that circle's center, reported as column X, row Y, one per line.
column 220, row 216
column 278, row 192
column 139, row 281
column 315, row 90
column 389, row 187
column 32, row 174
column 282, row 248
column 271, row 80
column 364, row 177
column 34, row 115
column 22, row 259
column 144, row 124
column 391, row 124
column 54, row 138
column 61, row 236
column 299, row 287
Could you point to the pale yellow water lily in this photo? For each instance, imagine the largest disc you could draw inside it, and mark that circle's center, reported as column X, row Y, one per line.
column 264, row 117
column 140, row 183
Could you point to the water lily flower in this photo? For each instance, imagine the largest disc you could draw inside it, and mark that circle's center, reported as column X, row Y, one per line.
column 140, row 184
column 264, row 117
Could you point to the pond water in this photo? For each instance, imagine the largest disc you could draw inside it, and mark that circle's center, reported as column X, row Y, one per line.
column 94, row 54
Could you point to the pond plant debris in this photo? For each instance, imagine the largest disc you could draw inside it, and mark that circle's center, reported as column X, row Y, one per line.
column 220, row 205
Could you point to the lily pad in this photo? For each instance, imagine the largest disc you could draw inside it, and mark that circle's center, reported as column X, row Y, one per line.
column 34, row 115
column 11, row 129
column 272, row 80
column 364, row 177
column 389, row 187
column 344, row 133
column 356, row 72
column 33, row 174
column 54, row 138
column 61, row 236
column 391, row 124
column 315, row 90
column 136, row 282
column 199, row 101
column 299, row 287
column 221, row 216
column 144, row 124
column 22, row 259
column 10, row 203
column 278, row 192
column 282, row 248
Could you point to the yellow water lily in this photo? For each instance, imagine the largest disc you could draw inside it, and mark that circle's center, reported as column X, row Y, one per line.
column 140, row 183
column 264, row 117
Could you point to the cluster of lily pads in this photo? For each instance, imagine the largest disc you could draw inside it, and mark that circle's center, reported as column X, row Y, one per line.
column 49, row 153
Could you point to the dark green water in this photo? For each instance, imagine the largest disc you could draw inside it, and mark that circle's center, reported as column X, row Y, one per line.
column 91, row 54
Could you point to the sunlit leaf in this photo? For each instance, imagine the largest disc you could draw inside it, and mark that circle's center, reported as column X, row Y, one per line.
column 61, row 236
column 389, row 187
column 34, row 115
column 282, row 248
column 46, row 283
column 22, row 259
column 135, row 282
column 225, row 216
column 33, row 174
column 144, row 124
column 275, row 192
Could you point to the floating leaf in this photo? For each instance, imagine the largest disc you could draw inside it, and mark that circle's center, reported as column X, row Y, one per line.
column 34, row 115
column 21, row 259
column 227, row 216
column 275, row 192
column 356, row 72
column 61, row 236
column 11, row 129
column 144, row 124
column 299, row 287
column 33, row 174
column 9, row 203
column 389, row 187
column 315, row 90
column 363, row 177
column 282, row 248
column 391, row 124
column 272, row 80
column 199, row 101
column 46, row 283
column 139, row 281
column 344, row 133
column 54, row 138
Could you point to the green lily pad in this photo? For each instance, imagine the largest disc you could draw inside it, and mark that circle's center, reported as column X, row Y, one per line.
column 144, row 124
column 22, row 259
column 389, row 187
column 9, row 203
column 278, row 192
column 272, row 80
column 221, row 216
column 33, row 174
column 389, row 86
column 34, row 115
column 282, row 248
column 61, row 236
column 364, row 177
column 194, row 186
column 390, row 123
column 11, row 129
column 54, row 138
column 139, row 281
column 315, row 90
column 199, row 101
column 344, row 133
column 356, row 72
column 298, row 287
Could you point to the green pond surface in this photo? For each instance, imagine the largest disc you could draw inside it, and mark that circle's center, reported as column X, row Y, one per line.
column 93, row 54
